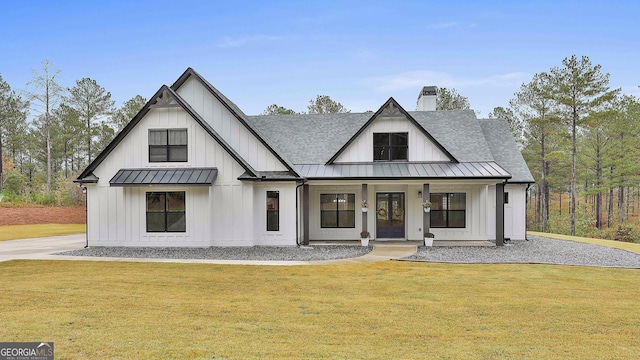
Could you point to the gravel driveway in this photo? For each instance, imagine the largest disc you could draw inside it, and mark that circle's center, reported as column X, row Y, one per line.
column 537, row 250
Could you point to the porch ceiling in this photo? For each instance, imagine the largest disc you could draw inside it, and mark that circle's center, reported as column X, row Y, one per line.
column 404, row 170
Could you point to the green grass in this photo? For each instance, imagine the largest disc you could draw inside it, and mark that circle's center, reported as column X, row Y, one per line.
column 633, row 247
column 14, row 232
column 384, row 310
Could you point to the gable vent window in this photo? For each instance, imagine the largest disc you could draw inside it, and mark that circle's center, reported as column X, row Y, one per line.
column 390, row 146
column 168, row 145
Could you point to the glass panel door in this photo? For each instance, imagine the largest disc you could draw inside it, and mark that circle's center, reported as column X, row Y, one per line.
column 390, row 216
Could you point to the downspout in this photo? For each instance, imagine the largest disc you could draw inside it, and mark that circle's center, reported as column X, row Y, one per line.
column 526, row 206
column 297, row 215
column 505, row 240
column 86, row 214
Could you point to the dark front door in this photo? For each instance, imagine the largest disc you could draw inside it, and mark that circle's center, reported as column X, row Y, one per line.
column 390, row 215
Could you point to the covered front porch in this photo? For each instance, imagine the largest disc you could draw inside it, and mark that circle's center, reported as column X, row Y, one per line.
column 456, row 212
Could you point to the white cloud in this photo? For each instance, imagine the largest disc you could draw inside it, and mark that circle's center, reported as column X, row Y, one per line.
column 228, row 41
column 417, row 79
column 443, row 25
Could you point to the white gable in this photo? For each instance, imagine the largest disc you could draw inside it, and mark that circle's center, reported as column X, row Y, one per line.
column 421, row 148
column 202, row 149
column 229, row 127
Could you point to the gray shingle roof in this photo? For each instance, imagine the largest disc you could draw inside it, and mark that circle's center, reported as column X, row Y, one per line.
column 505, row 150
column 314, row 139
column 458, row 131
column 308, row 138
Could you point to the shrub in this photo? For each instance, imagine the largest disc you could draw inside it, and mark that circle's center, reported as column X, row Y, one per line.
column 66, row 191
column 15, row 183
column 43, row 199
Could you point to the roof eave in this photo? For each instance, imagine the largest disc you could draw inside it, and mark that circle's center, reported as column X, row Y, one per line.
column 409, row 178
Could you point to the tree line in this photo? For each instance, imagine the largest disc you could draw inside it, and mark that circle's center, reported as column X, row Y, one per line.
column 69, row 127
column 580, row 140
column 446, row 99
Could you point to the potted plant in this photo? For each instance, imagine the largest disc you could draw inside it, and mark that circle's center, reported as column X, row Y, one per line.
column 428, row 239
column 364, row 238
column 426, row 206
column 365, row 206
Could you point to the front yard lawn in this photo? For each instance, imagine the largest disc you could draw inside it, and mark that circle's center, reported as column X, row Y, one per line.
column 14, row 232
column 385, row 310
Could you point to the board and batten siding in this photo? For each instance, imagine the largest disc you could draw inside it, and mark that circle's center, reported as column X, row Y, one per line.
column 286, row 235
column 316, row 232
column 229, row 127
column 475, row 214
column 116, row 215
column 420, row 147
column 515, row 213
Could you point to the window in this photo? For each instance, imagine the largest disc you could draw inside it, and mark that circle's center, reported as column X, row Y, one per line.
column 166, row 212
column 338, row 210
column 273, row 211
column 506, row 198
column 390, row 146
column 448, row 210
column 168, row 145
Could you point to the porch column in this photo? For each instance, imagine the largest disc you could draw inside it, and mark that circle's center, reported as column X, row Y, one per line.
column 305, row 214
column 499, row 214
column 426, row 217
column 364, row 214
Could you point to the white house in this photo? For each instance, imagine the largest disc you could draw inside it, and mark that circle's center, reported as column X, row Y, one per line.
column 191, row 169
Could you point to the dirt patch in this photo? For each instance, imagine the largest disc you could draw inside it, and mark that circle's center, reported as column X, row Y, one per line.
column 42, row 215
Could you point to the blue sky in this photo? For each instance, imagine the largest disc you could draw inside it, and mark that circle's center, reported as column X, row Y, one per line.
column 286, row 52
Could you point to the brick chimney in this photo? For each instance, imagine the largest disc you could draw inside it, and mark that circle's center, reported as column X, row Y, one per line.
column 427, row 99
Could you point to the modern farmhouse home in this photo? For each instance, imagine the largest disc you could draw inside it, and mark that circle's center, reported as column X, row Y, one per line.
column 191, row 169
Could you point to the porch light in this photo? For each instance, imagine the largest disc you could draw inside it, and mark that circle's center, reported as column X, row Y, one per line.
column 420, row 194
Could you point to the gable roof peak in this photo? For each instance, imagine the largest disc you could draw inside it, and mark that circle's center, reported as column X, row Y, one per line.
column 391, row 108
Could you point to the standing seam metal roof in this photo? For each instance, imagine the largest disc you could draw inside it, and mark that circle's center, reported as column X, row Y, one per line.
column 405, row 170
column 163, row 176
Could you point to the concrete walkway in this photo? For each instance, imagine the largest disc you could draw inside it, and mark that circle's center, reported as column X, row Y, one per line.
column 43, row 248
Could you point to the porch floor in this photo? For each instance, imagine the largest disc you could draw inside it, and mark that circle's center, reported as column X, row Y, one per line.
column 383, row 243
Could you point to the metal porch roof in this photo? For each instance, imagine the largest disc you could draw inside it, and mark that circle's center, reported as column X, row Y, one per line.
column 405, row 170
column 143, row 177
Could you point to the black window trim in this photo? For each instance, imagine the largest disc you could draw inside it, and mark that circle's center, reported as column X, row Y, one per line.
column 447, row 194
column 338, row 211
column 168, row 146
column 390, row 146
column 166, row 212
column 276, row 211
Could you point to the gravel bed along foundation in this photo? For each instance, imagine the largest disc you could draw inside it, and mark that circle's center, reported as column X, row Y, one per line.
column 258, row 253
column 536, row 250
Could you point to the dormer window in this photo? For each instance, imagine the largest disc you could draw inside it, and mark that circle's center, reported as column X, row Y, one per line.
column 168, row 145
column 390, row 146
